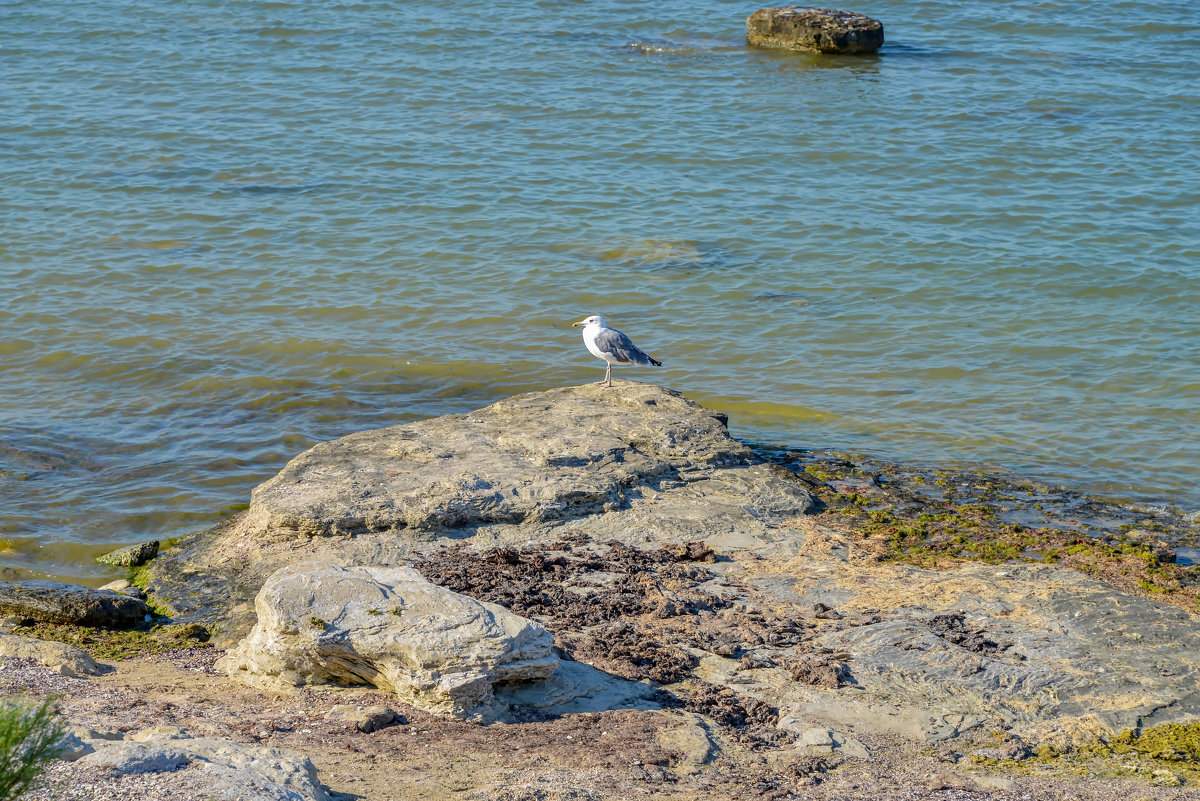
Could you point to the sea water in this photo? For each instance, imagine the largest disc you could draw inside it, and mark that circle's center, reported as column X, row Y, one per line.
column 233, row 229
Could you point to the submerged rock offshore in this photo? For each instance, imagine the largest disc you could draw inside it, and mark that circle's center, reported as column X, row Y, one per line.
column 814, row 30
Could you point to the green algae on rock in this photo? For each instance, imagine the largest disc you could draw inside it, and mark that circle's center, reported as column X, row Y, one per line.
column 133, row 556
column 61, row 602
column 118, row 644
column 894, row 512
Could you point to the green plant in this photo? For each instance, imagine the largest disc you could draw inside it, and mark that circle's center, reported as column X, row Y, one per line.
column 30, row 736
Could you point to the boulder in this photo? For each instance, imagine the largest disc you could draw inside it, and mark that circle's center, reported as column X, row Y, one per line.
column 133, row 556
column 59, row 602
column 814, row 30
column 322, row 623
column 66, row 659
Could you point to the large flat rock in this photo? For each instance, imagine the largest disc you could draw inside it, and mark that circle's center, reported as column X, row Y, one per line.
column 636, row 462
column 225, row 770
column 543, row 456
column 1044, row 652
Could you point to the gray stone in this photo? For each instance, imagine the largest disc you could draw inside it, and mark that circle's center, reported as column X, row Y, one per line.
column 846, row 746
column 816, row 742
column 366, row 719
column 124, row 587
column 59, row 602
column 1047, row 651
column 133, row 556
column 819, row 741
column 124, row 758
column 228, row 771
column 66, row 659
column 816, row 30
column 320, row 623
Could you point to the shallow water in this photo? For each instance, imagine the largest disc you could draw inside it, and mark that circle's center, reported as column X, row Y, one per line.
column 235, row 229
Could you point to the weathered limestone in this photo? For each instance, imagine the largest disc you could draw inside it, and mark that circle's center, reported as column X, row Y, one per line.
column 816, row 30
column 1048, row 653
column 524, row 459
column 59, row 602
column 321, row 623
column 224, row 770
column 637, row 462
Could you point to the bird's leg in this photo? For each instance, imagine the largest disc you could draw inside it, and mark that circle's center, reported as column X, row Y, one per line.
column 607, row 382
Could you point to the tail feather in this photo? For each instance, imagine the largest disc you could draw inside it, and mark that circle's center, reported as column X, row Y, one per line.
column 654, row 361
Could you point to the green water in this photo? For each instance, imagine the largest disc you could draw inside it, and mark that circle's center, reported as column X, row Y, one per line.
column 234, row 229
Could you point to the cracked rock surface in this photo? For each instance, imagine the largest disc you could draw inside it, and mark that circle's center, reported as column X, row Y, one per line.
column 387, row 627
column 637, row 462
column 691, row 580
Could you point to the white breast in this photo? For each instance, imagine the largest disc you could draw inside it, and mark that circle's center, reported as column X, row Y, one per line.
column 589, row 338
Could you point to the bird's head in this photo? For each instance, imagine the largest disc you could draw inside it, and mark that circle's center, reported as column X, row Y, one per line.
column 595, row 319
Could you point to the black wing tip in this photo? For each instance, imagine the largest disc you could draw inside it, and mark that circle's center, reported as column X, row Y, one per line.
column 654, row 361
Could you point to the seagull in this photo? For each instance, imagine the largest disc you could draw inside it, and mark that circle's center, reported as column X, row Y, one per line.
column 612, row 346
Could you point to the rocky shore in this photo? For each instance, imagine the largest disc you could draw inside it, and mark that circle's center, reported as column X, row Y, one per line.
column 599, row 593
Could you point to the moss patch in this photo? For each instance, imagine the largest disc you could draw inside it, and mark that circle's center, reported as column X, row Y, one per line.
column 1167, row 755
column 937, row 519
column 1167, row 742
column 112, row 644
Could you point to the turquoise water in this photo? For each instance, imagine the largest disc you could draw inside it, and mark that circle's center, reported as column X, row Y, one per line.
column 234, row 229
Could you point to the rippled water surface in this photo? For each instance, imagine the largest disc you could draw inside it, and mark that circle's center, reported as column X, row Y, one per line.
column 232, row 229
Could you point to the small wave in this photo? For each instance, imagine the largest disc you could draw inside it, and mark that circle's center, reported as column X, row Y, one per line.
column 271, row 189
column 657, row 48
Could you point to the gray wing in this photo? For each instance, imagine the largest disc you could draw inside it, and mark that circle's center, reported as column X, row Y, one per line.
column 619, row 346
